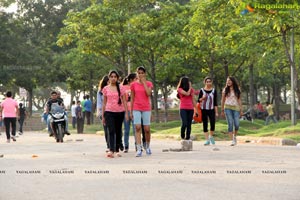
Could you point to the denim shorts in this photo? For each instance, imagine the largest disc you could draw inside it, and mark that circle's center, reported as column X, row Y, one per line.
column 141, row 115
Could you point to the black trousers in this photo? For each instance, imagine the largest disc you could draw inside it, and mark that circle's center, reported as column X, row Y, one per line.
column 80, row 125
column 88, row 117
column 10, row 121
column 208, row 114
column 114, row 122
column 21, row 122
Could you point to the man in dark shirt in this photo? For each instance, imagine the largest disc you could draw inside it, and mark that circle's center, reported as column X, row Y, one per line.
column 54, row 99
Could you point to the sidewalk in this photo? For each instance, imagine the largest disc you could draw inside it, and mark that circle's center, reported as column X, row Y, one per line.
column 36, row 167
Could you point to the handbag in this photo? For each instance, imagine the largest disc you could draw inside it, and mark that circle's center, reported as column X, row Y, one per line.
column 197, row 117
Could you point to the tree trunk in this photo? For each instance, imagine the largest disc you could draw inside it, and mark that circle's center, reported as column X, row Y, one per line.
column 251, row 90
column 155, row 92
column 91, row 95
column 276, row 93
column 30, row 95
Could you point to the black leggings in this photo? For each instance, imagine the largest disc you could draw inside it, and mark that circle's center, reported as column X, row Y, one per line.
column 208, row 114
column 114, row 122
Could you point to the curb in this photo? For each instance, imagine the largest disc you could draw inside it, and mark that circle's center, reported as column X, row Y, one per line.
column 266, row 141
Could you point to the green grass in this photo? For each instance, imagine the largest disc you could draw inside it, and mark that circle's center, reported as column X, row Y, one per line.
column 171, row 130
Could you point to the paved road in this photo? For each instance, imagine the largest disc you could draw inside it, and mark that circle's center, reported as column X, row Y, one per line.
column 37, row 168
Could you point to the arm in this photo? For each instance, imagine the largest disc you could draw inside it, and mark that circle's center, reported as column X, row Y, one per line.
column 222, row 103
column 124, row 100
column 132, row 95
column 147, row 89
column 216, row 104
column 183, row 92
column 103, row 108
column 0, row 112
column 241, row 106
column 99, row 104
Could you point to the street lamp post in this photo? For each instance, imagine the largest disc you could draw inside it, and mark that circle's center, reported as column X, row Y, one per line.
column 293, row 83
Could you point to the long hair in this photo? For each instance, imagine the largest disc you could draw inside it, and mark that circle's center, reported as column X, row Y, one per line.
column 235, row 86
column 117, row 84
column 184, row 83
column 103, row 82
column 129, row 78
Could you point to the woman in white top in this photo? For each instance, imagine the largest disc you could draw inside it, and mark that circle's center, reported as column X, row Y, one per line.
column 231, row 105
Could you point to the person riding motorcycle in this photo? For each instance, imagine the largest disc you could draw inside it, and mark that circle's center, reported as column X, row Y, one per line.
column 54, row 99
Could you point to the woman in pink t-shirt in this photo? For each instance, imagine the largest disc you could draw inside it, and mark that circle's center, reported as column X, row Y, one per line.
column 114, row 109
column 126, row 84
column 187, row 105
column 141, row 109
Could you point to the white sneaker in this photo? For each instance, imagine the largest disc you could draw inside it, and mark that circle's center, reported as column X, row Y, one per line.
column 234, row 142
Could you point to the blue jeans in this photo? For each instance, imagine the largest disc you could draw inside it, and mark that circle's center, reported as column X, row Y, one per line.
column 186, row 123
column 233, row 118
column 270, row 117
column 127, row 131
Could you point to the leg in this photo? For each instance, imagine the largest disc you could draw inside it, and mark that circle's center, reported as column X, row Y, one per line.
column 21, row 122
column 190, row 114
column 88, row 117
column 13, row 126
column 184, row 122
column 236, row 117
column 146, row 116
column 274, row 119
column 78, row 125
column 212, row 120
column 110, row 122
column 74, row 122
column 137, row 115
column 229, row 118
column 126, row 133
column 7, row 128
column 118, row 124
column 205, row 126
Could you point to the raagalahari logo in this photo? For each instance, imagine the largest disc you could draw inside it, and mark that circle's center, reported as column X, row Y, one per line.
column 271, row 8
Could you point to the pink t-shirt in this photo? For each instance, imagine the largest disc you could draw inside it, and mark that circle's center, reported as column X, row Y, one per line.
column 186, row 102
column 112, row 99
column 9, row 107
column 141, row 99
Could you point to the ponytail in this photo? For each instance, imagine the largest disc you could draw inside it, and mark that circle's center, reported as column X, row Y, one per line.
column 119, row 92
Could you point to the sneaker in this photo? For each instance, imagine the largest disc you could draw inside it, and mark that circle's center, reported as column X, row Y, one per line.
column 138, row 153
column 8, row 141
column 126, row 150
column 13, row 138
column 212, row 140
column 20, row 133
column 67, row 133
column 207, row 142
column 148, row 151
column 233, row 143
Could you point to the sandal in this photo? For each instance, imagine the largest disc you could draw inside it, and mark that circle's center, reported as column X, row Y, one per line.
column 110, row 155
column 118, row 154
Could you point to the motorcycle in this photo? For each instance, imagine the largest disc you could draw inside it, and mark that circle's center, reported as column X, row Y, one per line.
column 58, row 122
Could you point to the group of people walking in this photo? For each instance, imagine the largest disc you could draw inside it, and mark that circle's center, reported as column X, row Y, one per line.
column 126, row 103
column 129, row 103
column 231, row 107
